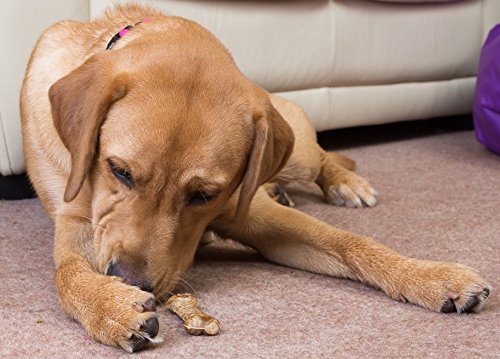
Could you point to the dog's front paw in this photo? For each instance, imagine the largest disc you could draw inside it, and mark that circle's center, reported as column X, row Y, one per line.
column 351, row 190
column 444, row 287
column 125, row 317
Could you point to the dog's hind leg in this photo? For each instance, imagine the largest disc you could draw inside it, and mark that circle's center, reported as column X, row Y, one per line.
column 309, row 162
column 339, row 159
column 286, row 236
column 340, row 185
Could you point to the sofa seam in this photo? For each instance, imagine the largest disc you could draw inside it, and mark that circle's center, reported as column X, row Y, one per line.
column 4, row 139
column 375, row 85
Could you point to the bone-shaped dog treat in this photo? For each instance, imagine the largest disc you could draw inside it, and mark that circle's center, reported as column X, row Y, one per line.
column 195, row 321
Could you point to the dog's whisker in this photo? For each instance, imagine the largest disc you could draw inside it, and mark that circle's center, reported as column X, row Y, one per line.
column 189, row 285
column 163, row 283
column 169, row 292
column 178, row 283
column 163, row 297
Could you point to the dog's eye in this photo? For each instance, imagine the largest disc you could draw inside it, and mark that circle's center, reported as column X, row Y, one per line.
column 200, row 197
column 121, row 174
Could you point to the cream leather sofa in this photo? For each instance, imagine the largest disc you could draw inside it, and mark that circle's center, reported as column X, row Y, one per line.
column 346, row 62
column 22, row 23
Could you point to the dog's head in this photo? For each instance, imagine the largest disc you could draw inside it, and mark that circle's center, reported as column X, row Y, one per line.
column 159, row 140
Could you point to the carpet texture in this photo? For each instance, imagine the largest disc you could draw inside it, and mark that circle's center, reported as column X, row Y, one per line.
column 439, row 199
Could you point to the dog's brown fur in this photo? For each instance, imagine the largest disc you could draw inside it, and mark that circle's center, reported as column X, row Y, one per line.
column 169, row 106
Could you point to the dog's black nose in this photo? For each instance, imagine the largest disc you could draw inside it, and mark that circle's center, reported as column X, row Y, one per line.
column 129, row 275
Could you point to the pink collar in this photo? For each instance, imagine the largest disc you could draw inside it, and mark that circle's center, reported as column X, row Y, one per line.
column 123, row 32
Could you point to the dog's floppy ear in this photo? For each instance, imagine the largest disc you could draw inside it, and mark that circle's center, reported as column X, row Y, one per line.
column 273, row 142
column 80, row 102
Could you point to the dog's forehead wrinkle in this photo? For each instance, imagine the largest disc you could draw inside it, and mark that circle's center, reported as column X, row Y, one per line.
column 206, row 178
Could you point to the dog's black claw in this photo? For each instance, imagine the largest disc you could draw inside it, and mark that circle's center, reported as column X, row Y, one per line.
column 471, row 303
column 486, row 292
column 151, row 326
column 280, row 196
column 474, row 301
column 283, row 200
column 448, row 307
column 137, row 343
column 149, row 305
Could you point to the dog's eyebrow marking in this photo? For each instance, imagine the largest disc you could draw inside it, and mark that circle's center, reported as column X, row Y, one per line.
column 205, row 179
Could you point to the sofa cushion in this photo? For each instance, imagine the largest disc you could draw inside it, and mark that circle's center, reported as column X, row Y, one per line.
column 295, row 45
column 22, row 23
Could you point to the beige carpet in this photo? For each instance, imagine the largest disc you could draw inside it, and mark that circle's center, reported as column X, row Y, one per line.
column 439, row 199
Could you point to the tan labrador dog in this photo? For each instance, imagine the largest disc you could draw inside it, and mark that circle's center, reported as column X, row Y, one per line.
column 136, row 151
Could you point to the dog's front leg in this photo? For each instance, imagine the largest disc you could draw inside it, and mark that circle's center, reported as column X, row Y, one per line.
column 112, row 312
column 287, row 236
